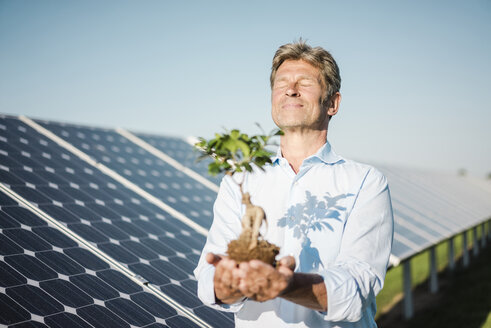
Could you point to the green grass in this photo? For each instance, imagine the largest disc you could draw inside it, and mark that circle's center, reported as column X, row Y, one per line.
column 392, row 293
column 464, row 300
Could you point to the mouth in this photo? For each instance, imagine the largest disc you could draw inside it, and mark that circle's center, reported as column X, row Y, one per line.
column 292, row 106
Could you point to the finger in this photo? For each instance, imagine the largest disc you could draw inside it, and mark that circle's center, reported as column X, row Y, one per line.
column 213, row 258
column 243, row 270
column 228, row 264
column 289, row 262
column 287, row 274
column 286, row 271
column 279, row 286
column 261, row 268
column 227, row 276
column 254, row 289
column 225, row 264
column 244, row 265
column 236, row 277
column 246, row 290
column 256, row 264
column 261, row 282
column 223, row 271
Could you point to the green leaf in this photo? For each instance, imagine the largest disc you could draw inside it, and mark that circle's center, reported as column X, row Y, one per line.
column 231, row 145
column 235, row 151
column 235, row 134
column 247, row 167
column 246, row 151
column 213, row 168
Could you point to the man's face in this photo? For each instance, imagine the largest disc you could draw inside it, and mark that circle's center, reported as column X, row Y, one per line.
column 296, row 97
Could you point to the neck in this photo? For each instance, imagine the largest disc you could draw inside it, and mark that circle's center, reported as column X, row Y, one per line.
column 297, row 146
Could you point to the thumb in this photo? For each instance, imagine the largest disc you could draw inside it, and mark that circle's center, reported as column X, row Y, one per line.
column 213, row 258
column 289, row 262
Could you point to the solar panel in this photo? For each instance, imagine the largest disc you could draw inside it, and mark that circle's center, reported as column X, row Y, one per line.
column 182, row 151
column 431, row 207
column 123, row 225
column 152, row 174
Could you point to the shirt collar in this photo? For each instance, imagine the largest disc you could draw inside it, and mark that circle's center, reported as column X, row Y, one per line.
column 325, row 154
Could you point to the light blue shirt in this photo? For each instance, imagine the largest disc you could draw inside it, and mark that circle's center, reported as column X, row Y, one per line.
column 335, row 218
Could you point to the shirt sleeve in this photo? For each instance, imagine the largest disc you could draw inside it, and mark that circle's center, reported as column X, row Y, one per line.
column 226, row 226
column 358, row 273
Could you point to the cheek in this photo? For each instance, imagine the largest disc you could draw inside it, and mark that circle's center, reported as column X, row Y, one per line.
column 275, row 104
column 275, row 96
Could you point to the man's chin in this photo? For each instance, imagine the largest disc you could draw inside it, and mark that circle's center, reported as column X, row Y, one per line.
column 290, row 123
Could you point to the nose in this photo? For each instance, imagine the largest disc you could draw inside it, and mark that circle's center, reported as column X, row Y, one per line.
column 292, row 90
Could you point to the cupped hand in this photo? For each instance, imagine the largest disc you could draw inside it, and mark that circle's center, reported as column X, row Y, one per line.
column 226, row 283
column 262, row 282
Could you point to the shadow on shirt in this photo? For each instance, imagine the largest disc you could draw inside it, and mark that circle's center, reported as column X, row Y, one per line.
column 313, row 215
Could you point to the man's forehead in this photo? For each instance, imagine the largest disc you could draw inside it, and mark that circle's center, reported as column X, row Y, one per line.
column 297, row 65
column 300, row 69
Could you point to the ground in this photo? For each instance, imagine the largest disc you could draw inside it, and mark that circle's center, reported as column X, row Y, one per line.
column 464, row 299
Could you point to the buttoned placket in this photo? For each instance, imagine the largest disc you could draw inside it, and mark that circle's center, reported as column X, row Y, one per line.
column 295, row 196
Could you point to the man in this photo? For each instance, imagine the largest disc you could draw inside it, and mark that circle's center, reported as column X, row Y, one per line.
column 332, row 217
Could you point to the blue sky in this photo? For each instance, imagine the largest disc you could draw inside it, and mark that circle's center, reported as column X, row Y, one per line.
column 415, row 75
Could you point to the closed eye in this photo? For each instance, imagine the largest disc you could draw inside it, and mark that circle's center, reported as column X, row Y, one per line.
column 306, row 83
column 280, row 84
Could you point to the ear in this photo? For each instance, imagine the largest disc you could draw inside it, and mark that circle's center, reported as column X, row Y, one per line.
column 334, row 104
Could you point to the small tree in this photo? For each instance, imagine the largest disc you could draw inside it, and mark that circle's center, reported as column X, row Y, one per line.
column 235, row 152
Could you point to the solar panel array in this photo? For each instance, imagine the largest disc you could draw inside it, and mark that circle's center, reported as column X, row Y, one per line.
column 432, row 207
column 100, row 230
column 147, row 241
